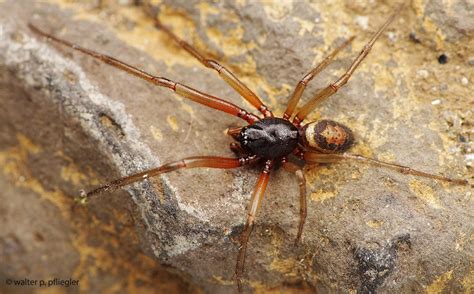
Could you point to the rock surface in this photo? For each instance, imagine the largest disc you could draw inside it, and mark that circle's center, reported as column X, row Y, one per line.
column 69, row 122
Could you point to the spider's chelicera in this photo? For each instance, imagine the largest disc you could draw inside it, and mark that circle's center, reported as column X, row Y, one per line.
column 265, row 139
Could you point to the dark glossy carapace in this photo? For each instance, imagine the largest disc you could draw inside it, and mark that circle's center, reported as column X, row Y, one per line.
column 269, row 138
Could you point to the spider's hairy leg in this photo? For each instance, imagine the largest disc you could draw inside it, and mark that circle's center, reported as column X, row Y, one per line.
column 253, row 209
column 298, row 171
column 295, row 97
column 180, row 89
column 313, row 157
column 332, row 88
column 223, row 72
column 189, row 162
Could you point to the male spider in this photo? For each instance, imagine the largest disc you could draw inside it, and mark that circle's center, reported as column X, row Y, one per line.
column 268, row 139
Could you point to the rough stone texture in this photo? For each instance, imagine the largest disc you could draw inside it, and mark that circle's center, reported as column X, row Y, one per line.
column 69, row 122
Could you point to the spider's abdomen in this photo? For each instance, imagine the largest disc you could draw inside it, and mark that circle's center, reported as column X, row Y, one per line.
column 269, row 138
column 327, row 136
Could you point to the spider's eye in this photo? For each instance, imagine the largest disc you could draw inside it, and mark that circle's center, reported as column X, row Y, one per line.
column 327, row 136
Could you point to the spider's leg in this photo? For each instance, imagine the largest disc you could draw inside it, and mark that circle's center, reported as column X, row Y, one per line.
column 312, row 157
column 293, row 168
column 178, row 88
column 295, row 97
column 223, row 72
column 253, row 209
column 332, row 88
column 190, row 162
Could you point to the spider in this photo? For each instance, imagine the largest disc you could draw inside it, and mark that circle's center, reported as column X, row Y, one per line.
column 266, row 139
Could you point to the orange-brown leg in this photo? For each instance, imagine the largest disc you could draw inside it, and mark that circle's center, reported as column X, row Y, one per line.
column 295, row 97
column 312, row 157
column 223, row 72
column 253, row 209
column 190, row 162
column 332, row 88
column 293, row 168
column 178, row 88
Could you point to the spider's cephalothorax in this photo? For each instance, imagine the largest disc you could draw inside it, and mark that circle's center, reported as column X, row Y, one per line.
column 269, row 138
column 326, row 136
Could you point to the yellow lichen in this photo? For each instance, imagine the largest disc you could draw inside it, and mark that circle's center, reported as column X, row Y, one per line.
column 71, row 173
column 186, row 107
column 222, row 281
column 285, row 266
column 439, row 283
column 374, row 224
column 468, row 282
column 156, row 133
column 425, row 193
column 277, row 12
column 172, row 122
column 306, row 26
column 206, row 8
column 321, row 196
